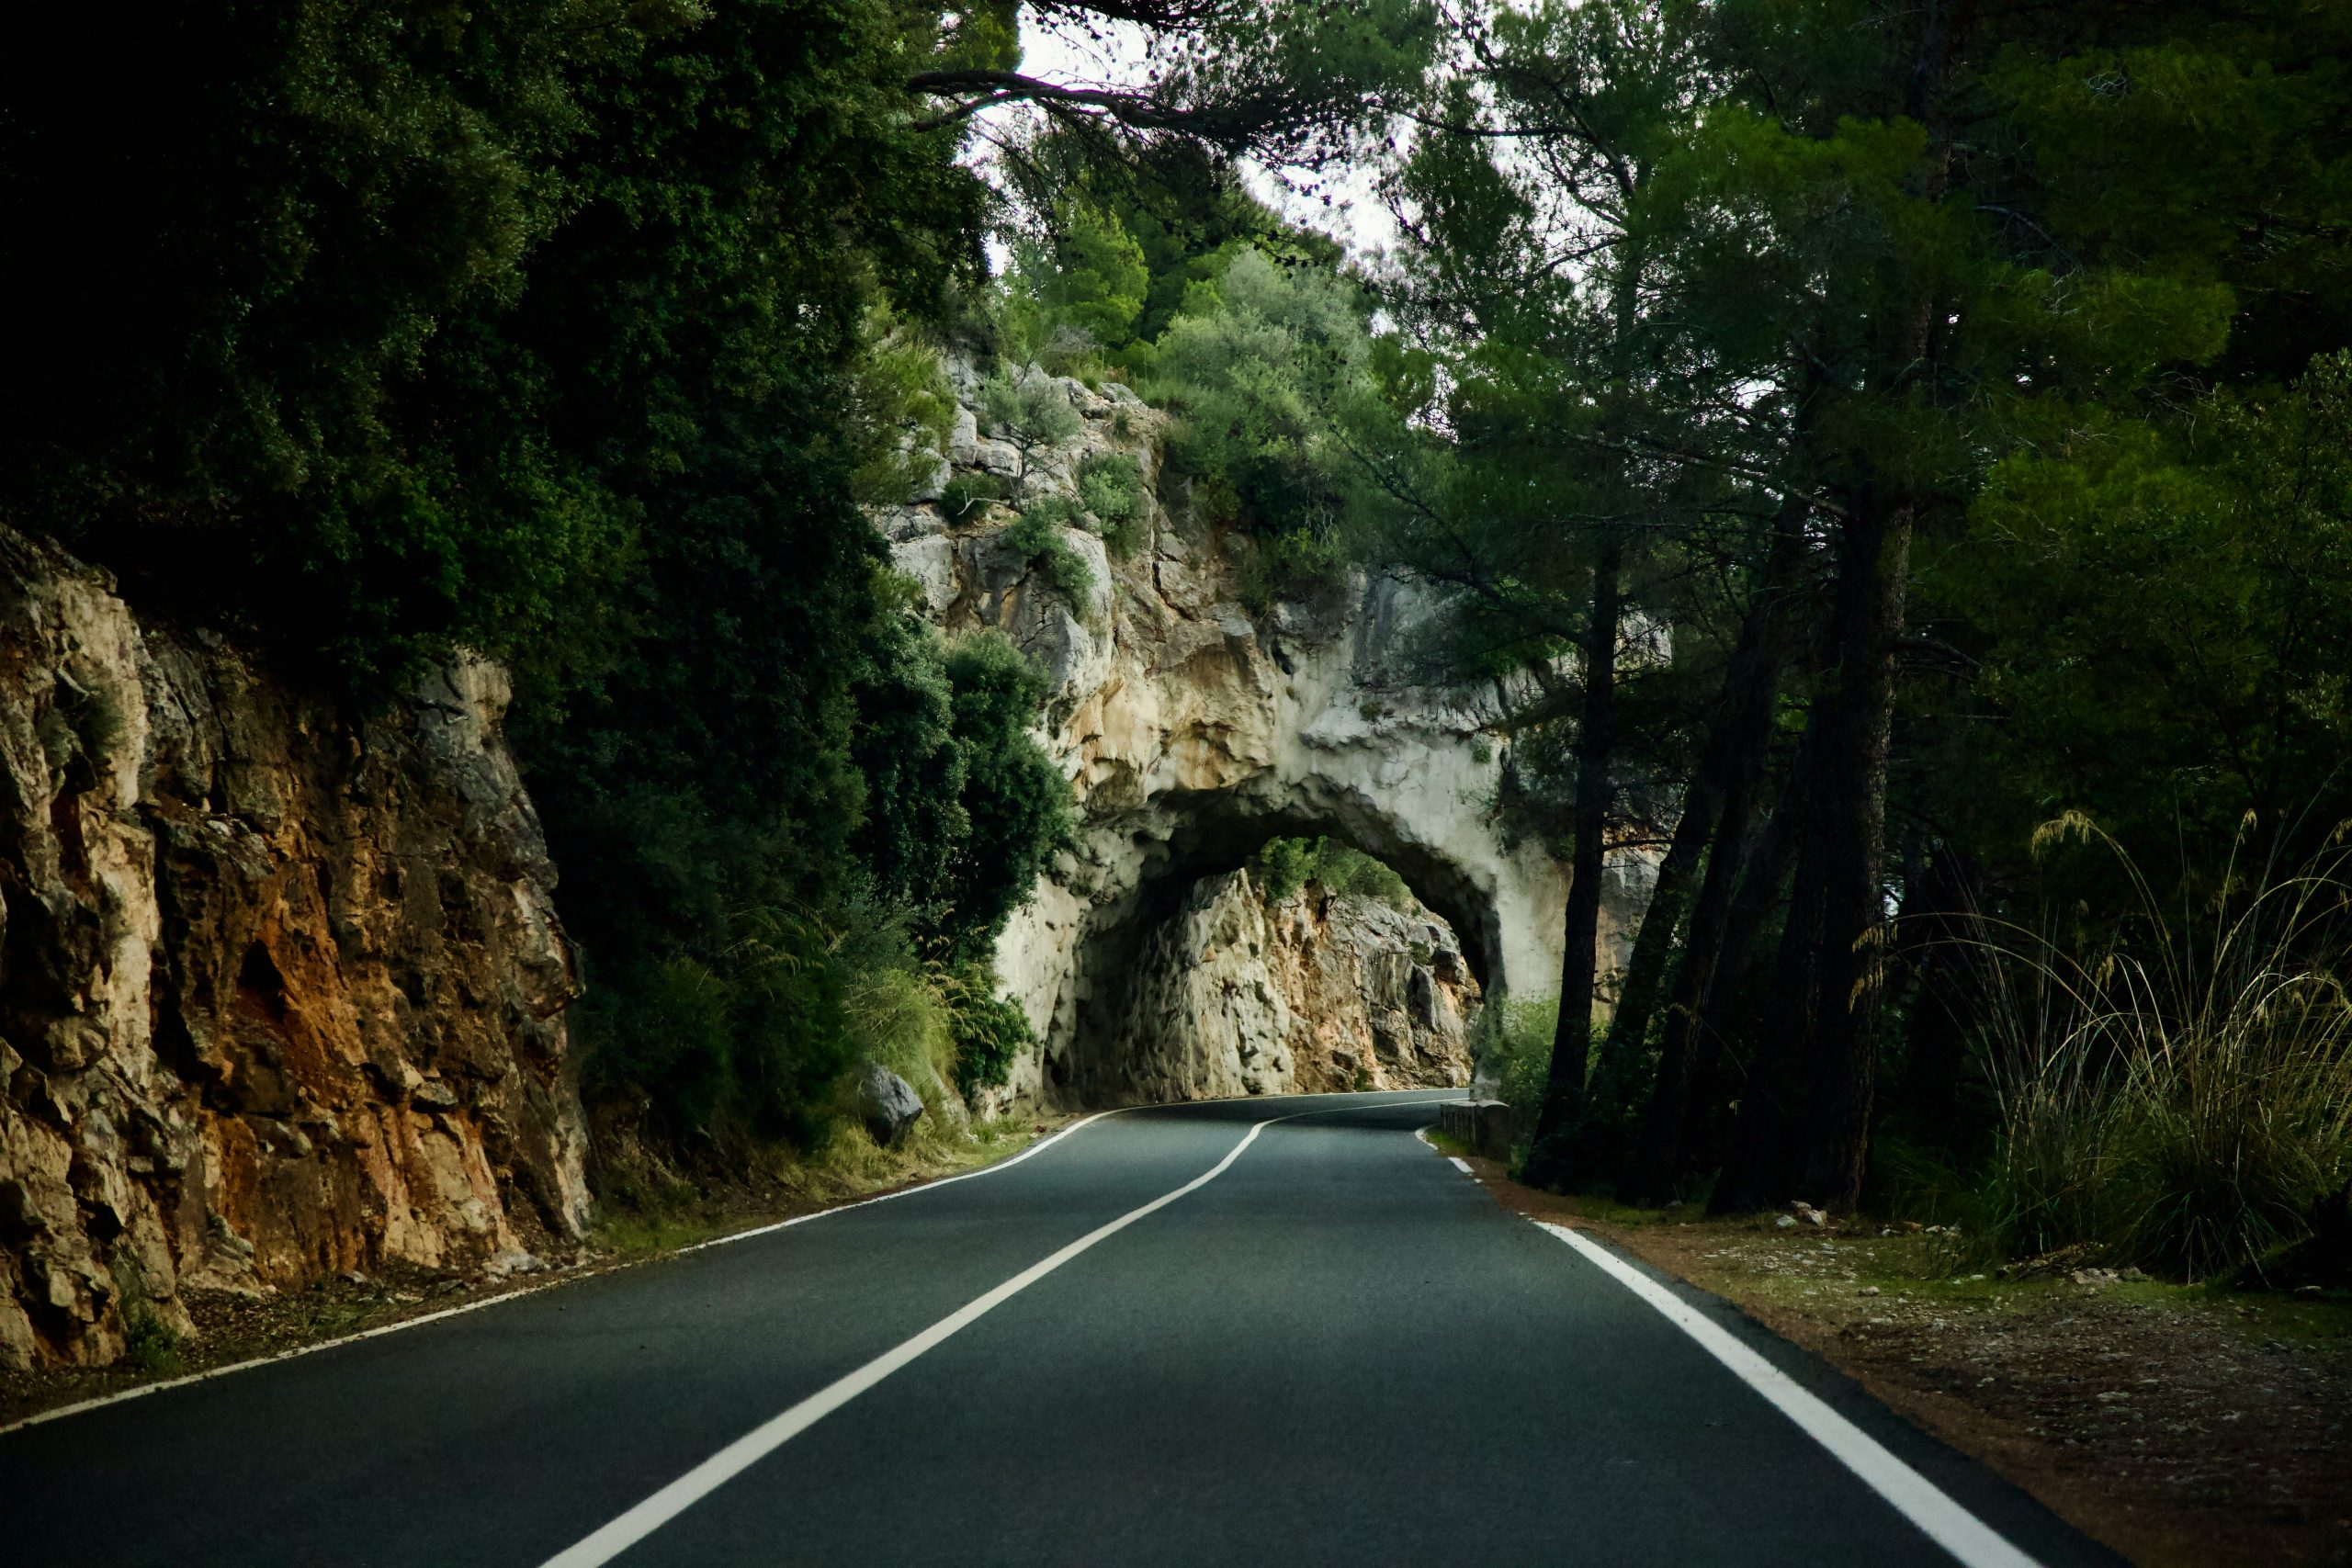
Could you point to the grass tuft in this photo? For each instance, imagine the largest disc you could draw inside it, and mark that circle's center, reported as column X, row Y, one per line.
column 2181, row 1101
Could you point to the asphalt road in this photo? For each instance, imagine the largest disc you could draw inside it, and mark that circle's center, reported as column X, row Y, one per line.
column 1338, row 1351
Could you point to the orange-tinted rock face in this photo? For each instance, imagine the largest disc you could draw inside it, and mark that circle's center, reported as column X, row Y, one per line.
column 280, row 990
column 1239, row 994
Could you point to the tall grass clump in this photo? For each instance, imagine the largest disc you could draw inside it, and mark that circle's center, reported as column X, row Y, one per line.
column 1511, row 1046
column 2179, row 1098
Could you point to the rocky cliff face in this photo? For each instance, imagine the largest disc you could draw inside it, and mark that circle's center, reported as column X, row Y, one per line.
column 281, row 992
column 1316, row 992
column 1195, row 725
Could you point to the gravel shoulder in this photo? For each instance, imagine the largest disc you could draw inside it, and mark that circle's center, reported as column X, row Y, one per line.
column 2180, row 1425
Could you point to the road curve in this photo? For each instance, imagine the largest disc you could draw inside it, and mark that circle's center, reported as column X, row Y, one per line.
column 1337, row 1350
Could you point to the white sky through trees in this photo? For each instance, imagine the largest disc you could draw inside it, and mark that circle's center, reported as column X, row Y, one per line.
column 1113, row 54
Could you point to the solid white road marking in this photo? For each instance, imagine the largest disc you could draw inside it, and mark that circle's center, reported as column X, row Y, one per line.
column 1460, row 1164
column 1927, row 1505
column 405, row 1324
column 756, row 1445
column 143, row 1390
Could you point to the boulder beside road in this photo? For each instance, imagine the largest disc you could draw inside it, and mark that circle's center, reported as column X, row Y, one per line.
column 888, row 1104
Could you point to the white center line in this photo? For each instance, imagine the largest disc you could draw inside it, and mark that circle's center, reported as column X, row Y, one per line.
column 762, row 1441
column 1927, row 1505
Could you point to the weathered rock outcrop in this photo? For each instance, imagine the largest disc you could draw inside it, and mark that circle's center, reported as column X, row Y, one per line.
column 281, row 992
column 1319, row 991
column 1193, row 727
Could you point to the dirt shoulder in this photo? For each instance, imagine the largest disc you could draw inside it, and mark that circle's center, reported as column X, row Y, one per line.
column 233, row 1329
column 2180, row 1425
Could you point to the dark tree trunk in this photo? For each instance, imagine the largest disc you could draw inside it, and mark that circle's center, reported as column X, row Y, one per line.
column 1806, row 1123
column 1551, row 1160
column 1804, row 1112
column 1937, row 922
column 1759, row 892
column 1615, row 1082
column 1730, row 775
column 1839, row 1011
column 1615, row 1069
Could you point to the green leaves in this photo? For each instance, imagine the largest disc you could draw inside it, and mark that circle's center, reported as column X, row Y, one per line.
column 1028, row 408
column 2169, row 607
column 1111, row 486
column 1098, row 279
column 1271, row 375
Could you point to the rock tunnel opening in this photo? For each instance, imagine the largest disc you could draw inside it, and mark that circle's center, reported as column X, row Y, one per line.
column 1211, row 835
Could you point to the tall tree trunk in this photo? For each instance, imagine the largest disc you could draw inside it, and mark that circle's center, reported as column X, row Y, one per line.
column 1616, row 1065
column 1730, row 775
column 1805, row 1129
column 1551, row 1160
column 1759, row 892
column 1804, row 1114
column 1945, row 979
column 1847, row 912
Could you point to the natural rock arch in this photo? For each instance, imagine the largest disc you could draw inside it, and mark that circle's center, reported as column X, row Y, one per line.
column 1193, row 729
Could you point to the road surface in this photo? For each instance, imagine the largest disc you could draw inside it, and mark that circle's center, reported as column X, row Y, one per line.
column 1336, row 1348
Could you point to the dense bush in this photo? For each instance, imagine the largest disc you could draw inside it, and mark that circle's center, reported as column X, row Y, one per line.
column 1511, row 1044
column 991, row 1033
column 1285, row 865
column 1111, row 486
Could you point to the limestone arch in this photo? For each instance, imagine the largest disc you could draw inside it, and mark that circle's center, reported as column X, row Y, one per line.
column 1302, row 721
column 1194, row 724
column 1209, row 834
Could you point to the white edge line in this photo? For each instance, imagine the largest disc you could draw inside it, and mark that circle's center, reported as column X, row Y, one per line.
column 1944, row 1521
column 122, row 1396
column 143, row 1390
column 1460, row 1164
column 618, row 1536
column 1038, row 1147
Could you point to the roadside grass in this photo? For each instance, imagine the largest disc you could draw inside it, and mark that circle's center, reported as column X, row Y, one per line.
column 1446, row 1145
column 2180, row 1098
column 646, row 1212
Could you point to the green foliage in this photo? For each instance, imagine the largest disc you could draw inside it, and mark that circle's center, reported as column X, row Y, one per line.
column 151, row 1345
column 1097, row 284
column 1285, row 865
column 271, row 413
column 1270, row 368
column 1030, row 408
column 991, row 1031
column 1036, row 536
column 1105, row 221
column 1111, row 486
column 1512, row 1043
column 905, row 411
column 967, row 496
column 2167, row 608
column 1016, row 799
